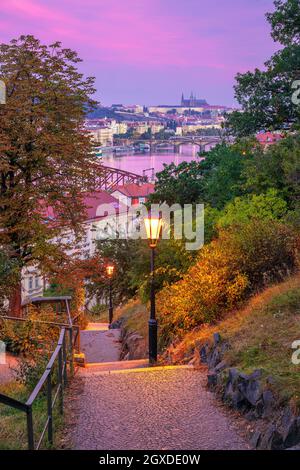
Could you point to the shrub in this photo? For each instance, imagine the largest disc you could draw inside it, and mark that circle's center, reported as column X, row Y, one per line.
column 242, row 260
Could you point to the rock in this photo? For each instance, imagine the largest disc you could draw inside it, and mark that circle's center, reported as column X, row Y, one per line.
column 251, row 390
column 116, row 324
column 233, row 375
column 270, row 380
column 221, row 366
column 255, row 439
column 214, row 358
column 234, row 397
column 256, row 374
column 238, row 401
column 203, row 354
column 212, row 379
column 272, row 439
column 290, row 427
column 268, row 403
column 217, row 339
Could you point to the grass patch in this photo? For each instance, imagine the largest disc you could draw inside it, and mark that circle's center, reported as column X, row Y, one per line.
column 135, row 316
column 13, row 431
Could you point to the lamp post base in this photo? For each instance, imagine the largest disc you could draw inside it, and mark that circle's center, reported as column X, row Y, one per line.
column 110, row 315
column 152, row 341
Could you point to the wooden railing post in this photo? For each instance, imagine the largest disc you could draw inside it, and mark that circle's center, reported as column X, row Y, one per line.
column 65, row 361
column 61, row 380
column 71, row 351
column 49, row 407
column 30, row 435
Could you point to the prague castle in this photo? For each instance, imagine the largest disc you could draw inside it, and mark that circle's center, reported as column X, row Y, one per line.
column 192, row 102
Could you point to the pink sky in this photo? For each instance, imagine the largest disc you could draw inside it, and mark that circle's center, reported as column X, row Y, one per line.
column 149, row 51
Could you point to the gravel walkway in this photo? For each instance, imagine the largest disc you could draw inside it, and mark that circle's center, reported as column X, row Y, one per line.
column 160, row 409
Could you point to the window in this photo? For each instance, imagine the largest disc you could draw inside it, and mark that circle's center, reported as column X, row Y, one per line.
column 30, row 283
column 37, row 282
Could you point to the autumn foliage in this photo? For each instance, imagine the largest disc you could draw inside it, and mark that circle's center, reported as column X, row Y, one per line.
column 243, row 259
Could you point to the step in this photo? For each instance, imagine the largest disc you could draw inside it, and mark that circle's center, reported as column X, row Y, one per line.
column 119, row 367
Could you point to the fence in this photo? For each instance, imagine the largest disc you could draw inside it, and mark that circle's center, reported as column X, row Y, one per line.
column 61, row 357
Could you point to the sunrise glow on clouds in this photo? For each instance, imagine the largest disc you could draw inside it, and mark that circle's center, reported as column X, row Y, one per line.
column 149, row 51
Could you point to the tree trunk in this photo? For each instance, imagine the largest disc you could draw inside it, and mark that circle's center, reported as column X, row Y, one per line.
column 15, row 302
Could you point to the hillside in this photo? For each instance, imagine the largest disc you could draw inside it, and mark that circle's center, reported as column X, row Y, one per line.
column 260, row 336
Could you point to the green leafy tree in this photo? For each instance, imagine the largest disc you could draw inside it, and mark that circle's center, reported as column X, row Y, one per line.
column 278, row 168
column 182, row 184
column 222, row 172
column 243, row 209
column 265, row 96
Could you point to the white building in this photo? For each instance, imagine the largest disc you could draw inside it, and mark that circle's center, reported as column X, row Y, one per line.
column 106, row 215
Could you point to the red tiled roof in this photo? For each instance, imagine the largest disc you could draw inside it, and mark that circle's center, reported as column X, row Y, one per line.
column 93, row 200
column 268, row 137
column 135, row 190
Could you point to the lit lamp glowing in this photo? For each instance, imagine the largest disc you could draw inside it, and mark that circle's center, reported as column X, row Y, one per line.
column 153, row 227
column 110, row 271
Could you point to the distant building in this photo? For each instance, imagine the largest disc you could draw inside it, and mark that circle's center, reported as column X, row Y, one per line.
column 269, row 138
column 192, row 102
column 131, row 194
column 102, row 135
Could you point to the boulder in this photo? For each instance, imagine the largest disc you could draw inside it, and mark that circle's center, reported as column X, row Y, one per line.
column 221, row 366
column 214, row 358
column 217, row 339
column 212, row 379
column 272, row 439
column 290, row 427
column 255, row 439
column 268, row 403
column 234, row 397
column 203, row 354
column 251, row 390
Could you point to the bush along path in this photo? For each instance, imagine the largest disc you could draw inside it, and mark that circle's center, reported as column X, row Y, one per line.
column 124, row 405
column 273, row 426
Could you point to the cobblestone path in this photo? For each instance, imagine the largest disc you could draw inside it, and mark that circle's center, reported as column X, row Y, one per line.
column 100, row 344
column 150, row 408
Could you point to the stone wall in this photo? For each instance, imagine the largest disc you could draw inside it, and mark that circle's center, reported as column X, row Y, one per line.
column 275, row 424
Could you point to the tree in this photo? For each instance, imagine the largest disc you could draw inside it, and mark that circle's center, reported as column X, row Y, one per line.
column 223, row 177
column 269, row 206
column 279, row 168
column 214, row 180
column 265, row 96
column 131, row 259
column 45, row 158
column 8, row 276
column 180, row 184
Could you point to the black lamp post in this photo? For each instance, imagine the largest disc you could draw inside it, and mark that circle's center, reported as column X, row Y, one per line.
column 153, row 226
column 110, row 270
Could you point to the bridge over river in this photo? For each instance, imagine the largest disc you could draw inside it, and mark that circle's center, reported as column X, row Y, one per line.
column 204, row 143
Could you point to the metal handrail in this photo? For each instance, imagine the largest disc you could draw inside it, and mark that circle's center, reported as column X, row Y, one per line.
column 60, row 355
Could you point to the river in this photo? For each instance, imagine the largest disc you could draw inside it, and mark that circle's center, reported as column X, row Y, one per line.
column 150, row 163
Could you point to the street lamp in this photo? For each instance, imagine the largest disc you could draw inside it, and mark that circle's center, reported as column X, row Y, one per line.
column 153, row 227
column 109, row 271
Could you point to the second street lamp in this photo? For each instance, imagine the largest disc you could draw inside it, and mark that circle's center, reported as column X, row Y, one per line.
column 153, row 227
column 110, row 270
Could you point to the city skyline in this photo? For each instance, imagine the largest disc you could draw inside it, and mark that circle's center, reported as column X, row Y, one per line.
column 150, row 51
